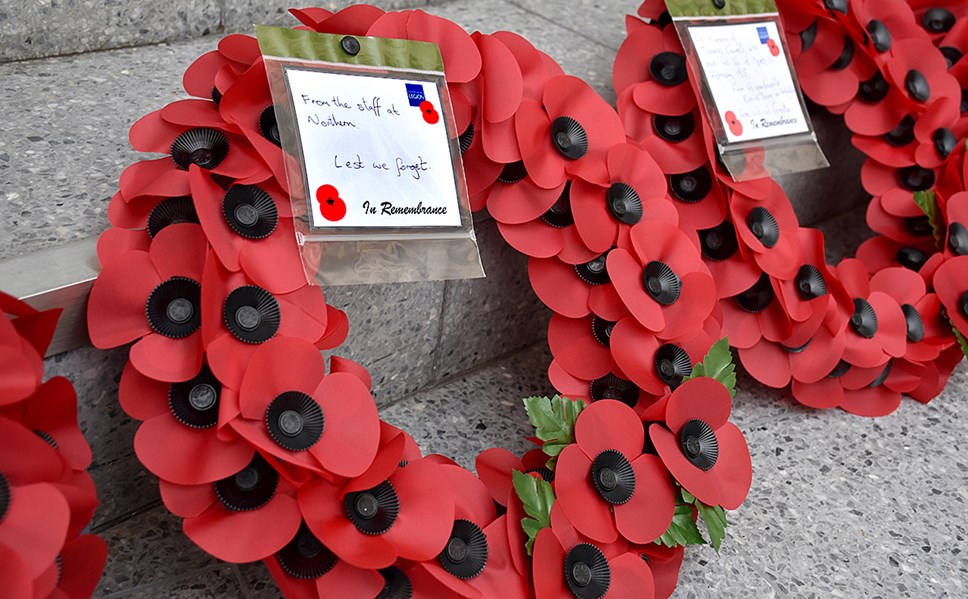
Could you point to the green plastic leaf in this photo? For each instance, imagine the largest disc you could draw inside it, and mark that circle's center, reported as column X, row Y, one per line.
column 715, row 519
column 554, row 422
column 683, row 530
column 718, row 364
column 928, row 204
column 962, row 342
column 537, row 496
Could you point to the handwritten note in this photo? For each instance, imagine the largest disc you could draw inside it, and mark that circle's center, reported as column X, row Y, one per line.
column 746, row 69
column 376, row 150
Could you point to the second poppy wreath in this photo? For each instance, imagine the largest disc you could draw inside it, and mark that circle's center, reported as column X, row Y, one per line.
column 645, row 249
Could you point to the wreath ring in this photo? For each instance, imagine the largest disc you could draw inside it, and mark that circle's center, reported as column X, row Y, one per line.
column 637, row 240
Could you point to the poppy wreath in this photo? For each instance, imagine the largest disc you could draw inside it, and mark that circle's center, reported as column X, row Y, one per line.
column 47, row 497
column 645, row 251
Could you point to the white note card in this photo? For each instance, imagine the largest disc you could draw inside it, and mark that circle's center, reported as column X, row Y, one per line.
column 376, row 150
column 747, row 73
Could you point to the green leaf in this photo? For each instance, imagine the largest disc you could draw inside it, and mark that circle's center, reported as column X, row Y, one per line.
column 683, row 529
column 928, row 204
column 715, row 519
column 718, row 364
column 962, row 342
column 537, row 496
column 554, row 422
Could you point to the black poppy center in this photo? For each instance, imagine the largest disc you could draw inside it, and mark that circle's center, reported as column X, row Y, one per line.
column 674, row 129
column 763, row 225
column 964, row 304
column 173, row 308
column 672, row 364
column 911, row 258
column 602, row 330
column 661, row 282
column 513, row 172
column 250, row 488
column 269, row 126
column 613, row 387
column 874, row 89
column 295, row 421
column 373, row 511
column 915, row 325
column 465, row 554
column 624, row 203
column 938, row 20
column 691, row 187
column 4, row 496
column 810, row 282
column 587, row 572
column 251, row 314
column 944, row 142
column 559, row 215
column 808, row 36
column 902, row 134
column 305, row 556
column 951, row 55
column 836, row 6
column 839, row 370
column 758, row 297
column 569, row 137
column 204, row 147
column 668, row 68
column 719, row 243
column 699, row 444
column 396, row 584
column 880, row 35
column 194, row 403
column 171, row 211
column 846, row 56
column 466, row 139
column 613, row 477
column 250, row 211
column 594, row 272
column 917, row 85
column 958, row 238
column 864, row 319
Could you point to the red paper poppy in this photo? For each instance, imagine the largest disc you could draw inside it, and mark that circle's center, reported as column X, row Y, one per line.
column 937, row 132
column 664, row 283
column 775, row 365
column 570, row 133
column 652, row 364
column 214, row 72
column 352, row 20
column 925, row 332
column 517, row 202
column 576, row 291
column 495, row 466
column 564, row 559
column 605, row 484
column 581, row 345
column 412, row 507
column 663, row 87
column 731, row 270
column 245, row 517
column 922, row 72
column 664, row 562
column 462, row 60
column 877, row 329
column 552, row 234
column 831, row 68
column 891, row 16
column 634, row 192
column 873, row 401
column 23, row 342
column 673, row 141
column 934, row 376
column 952, row 289
column 154, row 298
column 769, row 230
column 814, row 285
column 80, row 565
column 956, row 218
column 880, row 252
column 756, row 314
column 705, row 452
column 288, row 409
column 937, row 22
column 699, row 196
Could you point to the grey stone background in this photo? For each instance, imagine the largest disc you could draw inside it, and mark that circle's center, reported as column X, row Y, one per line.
column 840, row 506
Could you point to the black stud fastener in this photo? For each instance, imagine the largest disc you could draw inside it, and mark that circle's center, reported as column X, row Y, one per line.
column 252, row 314
column 944, row 142
column 305, row 556
column 396, row 584
column 661, row 283
column 808, row 36
column 846, row 56
column 874, row 89
column 559, row 215
column 880, row 35
column 466, row 139
column 916, row 178
column 720, row 4
column 4, row 496
column 698, row 442
column 763, row 225
column 674, row 129
column 911, row 258
column 613, row 387
column 951, row 55
column 569, row 137
column 594, row 272
column 799, row 349
column 839, row 370
column 883, row 375
column 864, row 319
column 624, row 203
column 938, row 20
column 758, row 297
column 465, row 554
column 173, row 308
column 810, row 282
column 249, row 488
column 964, row 304
column 602, row 330
column 915, row 325
column 958, row 238
column 350, row 45
column 902, row 134
column 964, row 102
column 917, row 85
column 668, row 68
column 513, row 172
column 373, row 511
column 919, row 226
column 295, row 421
column 691, row 187
column 194, row 403
column 171, row 211
column 613, row 477
column 836, row 6
column 269, row 126
column 719, row 243
column 587, row 572
column 206, row 148
column 672, row 364
column 547, row 475
column 250, row 211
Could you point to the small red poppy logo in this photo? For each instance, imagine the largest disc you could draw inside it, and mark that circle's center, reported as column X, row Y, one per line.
column 735, row 126
column 774, row 49
column 331, row 206
column 429, row 113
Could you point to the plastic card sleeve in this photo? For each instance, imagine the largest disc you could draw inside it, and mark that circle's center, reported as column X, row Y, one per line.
column 744, row 75
column 372, row 158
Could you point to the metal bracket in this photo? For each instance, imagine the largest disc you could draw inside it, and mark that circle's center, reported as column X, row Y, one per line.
column 57, row 277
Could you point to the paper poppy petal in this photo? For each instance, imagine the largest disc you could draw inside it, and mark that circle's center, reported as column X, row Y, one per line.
column 634, row 348
column 352, row 430
column 549, row 560
column 583, row 506
column 702, row 397
column 871, row 402
column 116, row 307
column 36, row 524
column 53, row 410
column 159, row 177
column 17, row 580
column 536, row 238
column 115, row 242
column 648, row 514
column 503, row 84
column 170, row 360
column 631, row 578
column 626, row 275
column 186, row 456
column 609, row 424
column 426, row 515
column 517, row 203
column 595, row 225
column 240, row 537
column 768, row 363
column 734, row 467
column 704, row 485
column 494, row 466
column 285, row 364
column 82, row 561
column 462, row 60
column 558, row 286
column 822, row 395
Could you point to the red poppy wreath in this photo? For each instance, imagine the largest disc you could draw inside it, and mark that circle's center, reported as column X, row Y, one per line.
column 641, row 244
